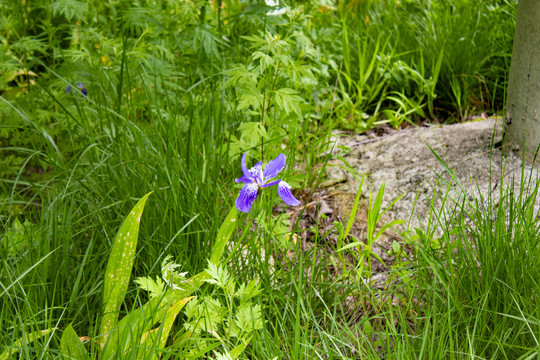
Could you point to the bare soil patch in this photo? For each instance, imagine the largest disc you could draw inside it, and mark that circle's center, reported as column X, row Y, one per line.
column 404, row 160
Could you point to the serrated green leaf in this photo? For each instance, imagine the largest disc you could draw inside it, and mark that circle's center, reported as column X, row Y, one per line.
column 241, row 75
column 119, row 269
column 252, row 99
column 255, row 40
column 265, row 60
column 70, row 9
column 287, row 100
column 245, row 293
column 206, row 315
column 252, row 132
column 221, row 277
column 248, row 318
column 154, row 287
column 172, row 277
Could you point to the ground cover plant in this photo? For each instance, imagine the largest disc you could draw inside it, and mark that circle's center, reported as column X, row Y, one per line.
column 104, row 102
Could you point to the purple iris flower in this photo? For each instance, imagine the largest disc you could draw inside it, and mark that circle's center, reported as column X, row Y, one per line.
column 80, row 86
column 256, row 178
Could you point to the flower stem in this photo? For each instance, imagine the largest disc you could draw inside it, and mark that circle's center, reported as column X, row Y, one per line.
column 267, row 105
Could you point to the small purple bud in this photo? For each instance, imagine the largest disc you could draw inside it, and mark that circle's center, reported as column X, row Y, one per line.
column 80, row 86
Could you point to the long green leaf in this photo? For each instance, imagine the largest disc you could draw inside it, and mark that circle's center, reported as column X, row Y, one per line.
column 150, row 343
column 351, row 245
column 132, row 327
column 71, row 346
column 119, row 269
column 386, row 226
column 235, row 353
column 169, row 320
column 224, row 234
column 354, row 210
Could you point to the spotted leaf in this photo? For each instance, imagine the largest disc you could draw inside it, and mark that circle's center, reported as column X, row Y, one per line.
column 119, row 269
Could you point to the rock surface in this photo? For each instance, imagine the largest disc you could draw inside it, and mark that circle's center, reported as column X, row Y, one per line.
column 404, row 161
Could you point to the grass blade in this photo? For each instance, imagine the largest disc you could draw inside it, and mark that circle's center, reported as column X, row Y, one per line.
column 28, row 338
column 354, row 210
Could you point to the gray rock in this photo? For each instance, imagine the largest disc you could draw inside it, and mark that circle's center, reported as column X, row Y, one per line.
column 405, row 162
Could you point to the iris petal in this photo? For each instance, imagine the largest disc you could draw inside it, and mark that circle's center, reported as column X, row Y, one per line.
column 244, row 179
column 257, row 172
column 247, row 195
column 274, row 166
column 244, row 167
column 271, row 184
column 284, row 192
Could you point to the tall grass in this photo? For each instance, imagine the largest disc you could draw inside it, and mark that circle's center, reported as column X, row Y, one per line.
column 480, row 283
column 423, row 59
column 61, row 267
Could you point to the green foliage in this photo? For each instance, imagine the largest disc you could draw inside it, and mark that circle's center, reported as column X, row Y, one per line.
column 176, row 91
column 475, row 270
column 25, row 341
column 392, row 62
column 276, row 228
column 275, row 86
column 375, row 212
column 19, row 239
column 412, row 59
column 154, row 287
column 119, row 267
column 135, row 333
column 165, row 301
column 234, row 317
column 71, row 346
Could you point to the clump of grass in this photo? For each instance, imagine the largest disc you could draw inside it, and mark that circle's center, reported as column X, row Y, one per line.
column 478, row 280
column 417, row 59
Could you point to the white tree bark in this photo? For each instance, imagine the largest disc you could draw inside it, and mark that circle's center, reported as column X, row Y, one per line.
column 522, row 124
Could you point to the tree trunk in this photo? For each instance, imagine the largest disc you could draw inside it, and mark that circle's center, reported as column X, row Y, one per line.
column 522, row 124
